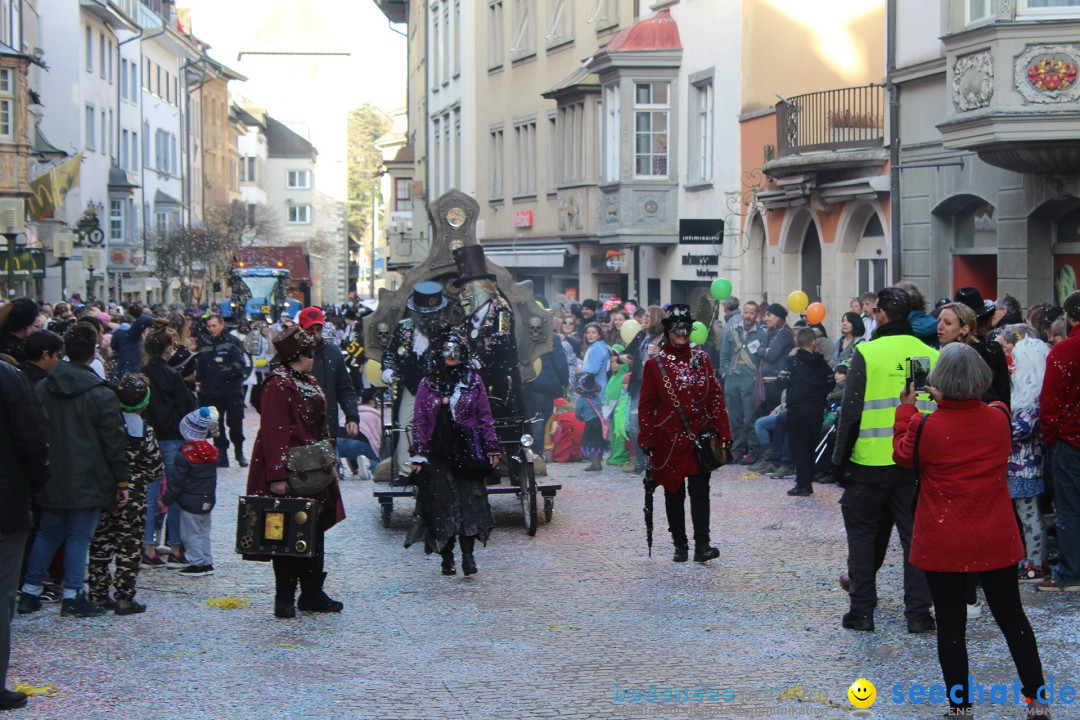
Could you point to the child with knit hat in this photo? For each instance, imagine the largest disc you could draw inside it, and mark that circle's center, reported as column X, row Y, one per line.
column 193, row 485
column 118, row 538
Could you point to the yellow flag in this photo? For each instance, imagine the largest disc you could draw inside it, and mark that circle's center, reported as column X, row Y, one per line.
column 49, row 189
column 66, row 177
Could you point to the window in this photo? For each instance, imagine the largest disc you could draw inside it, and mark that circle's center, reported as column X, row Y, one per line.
column 124, row 151
column 168, row 94
column 456, row 161
column 651, row 129
column 101, row 53
column 164, row 151
column 134, row 84
column 123, row 78
column 435, row 55
column 496, row 159
column 701, row 130
column 175, row 90
column 161, row 222
column 110, row 61
column 611, row 133
column 436, row 156
column 525, row 159
column 134, row 151
column 560, row 25
column 116, row 221
column 448, row 157
column 524, row 33
column 605, row 13
column 298, row 179
column 457, row 37
column 402, row 198
column 147, row 75
column 157, row 80
column 104, row 134
column 173, row 166
column 976, row 10
column 448, row 39
column 570, row 164
column 7, row 104
column 299, row 214
column 1047, row 8
column 495, row 34
column 111, row 136
column 552, row 155
column 247, row 169
column 89, row 49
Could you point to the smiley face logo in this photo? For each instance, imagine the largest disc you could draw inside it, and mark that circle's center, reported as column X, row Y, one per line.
column 862, row 693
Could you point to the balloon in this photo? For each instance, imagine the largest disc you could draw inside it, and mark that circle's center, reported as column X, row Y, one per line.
column 721, row 288
column 629, row 330
column 699, row 334
column 797, row 301
column 815, row 313
column 373, row 373
column 536, row 367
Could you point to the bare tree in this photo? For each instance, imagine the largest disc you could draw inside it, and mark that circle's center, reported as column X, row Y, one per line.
column 242, row 224
column 183, row 253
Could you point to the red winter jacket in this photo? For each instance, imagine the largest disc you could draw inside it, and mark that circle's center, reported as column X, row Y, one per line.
column 964, row 518
column 662, row 431
column 1059, row 402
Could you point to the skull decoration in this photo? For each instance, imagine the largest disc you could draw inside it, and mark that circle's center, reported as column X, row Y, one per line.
column 382, row 332
column 536, row 329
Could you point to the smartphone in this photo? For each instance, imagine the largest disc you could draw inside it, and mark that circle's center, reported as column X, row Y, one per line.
column 918, row 371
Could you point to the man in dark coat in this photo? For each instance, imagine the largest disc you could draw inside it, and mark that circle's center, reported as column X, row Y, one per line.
column 44, row 350
column 24, row 470
column 221, row 379
column 88, row 469
column 329, row 369
column 541, row 392
column 18, row 319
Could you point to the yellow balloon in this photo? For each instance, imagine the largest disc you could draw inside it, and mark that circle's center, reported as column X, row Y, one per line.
column 629, row 330
column 373, row 373
column 536, row 366
column 797, row 301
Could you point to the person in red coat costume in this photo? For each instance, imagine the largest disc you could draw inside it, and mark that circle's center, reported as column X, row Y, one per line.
column 292, row 412
column 964, row 521
column 664, row 437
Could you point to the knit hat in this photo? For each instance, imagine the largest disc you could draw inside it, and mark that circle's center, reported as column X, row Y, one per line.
column 196, row 424
column 21, row 316
column 778, row 310
column 133, row 390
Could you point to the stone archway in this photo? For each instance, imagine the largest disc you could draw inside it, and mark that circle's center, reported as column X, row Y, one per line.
column 1052, row 254
column 796, row 265
column 966, row 236
column 755, row 268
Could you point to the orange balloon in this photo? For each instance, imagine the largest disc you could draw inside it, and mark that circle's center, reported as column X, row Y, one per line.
column 815, row 313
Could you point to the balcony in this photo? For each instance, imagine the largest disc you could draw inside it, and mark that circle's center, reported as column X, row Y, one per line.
column 831, row 129
column 1012, row 92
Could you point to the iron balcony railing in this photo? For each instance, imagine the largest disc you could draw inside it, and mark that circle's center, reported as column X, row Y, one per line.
column 831, row 120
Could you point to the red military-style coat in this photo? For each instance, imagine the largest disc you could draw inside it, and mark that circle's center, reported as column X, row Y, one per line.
column 694, row 384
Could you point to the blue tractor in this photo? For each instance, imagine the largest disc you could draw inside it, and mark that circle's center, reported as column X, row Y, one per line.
column 259, row 291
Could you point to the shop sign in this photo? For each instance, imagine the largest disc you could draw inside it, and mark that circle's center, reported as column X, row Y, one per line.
column 523, row 218
column 23, row 264
column 702, row 262
column 701, row 232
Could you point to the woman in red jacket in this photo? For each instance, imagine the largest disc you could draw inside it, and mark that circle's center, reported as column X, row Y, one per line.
column 681, row 378
column 964, row 521
column 292, row 412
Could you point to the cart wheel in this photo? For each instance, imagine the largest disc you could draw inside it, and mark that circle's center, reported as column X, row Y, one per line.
column 527, row 493
column 387, row 510
column 549, row 507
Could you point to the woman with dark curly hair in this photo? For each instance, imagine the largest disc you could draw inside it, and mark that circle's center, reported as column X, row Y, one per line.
column 454, row 449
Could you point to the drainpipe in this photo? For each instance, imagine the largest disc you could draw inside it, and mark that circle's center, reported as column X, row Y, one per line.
column 894, row 139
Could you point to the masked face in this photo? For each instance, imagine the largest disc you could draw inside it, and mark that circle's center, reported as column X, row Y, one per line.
column 475, row 295
column 382, row 332
column 536, row 329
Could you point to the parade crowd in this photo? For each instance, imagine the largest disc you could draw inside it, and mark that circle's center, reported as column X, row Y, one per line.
column 959, row 425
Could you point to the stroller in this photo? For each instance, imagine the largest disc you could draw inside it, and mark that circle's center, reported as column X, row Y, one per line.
column 824, row 469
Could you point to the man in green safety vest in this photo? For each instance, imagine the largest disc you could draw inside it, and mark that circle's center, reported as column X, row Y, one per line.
column 877, row 492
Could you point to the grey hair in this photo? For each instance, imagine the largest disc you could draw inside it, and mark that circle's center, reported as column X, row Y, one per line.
column 960, row 373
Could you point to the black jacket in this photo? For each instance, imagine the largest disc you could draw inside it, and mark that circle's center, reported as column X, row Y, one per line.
column 220, row 368
column 554, row 375
column 192, row 484
column 807, row 378
column 994, row 356
column 88, row 439
column 33, row 373
column 333, row 377
column 12, row 347
column 170, row 400
column 24, row 449
column 777, row 346
column 126, row 345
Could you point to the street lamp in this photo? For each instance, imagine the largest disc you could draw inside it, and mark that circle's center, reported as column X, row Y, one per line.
column 90, row 262
column 63, row 248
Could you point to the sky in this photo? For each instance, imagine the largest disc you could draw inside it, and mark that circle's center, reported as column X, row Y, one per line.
column 311, row 95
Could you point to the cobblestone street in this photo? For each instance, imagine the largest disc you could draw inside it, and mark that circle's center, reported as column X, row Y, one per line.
column 553, row 626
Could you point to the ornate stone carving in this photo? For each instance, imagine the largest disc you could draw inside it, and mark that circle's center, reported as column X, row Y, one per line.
column 570, row 213
column 611, row 209
column 650, row 207
column 973, row 81
column 1048, row 73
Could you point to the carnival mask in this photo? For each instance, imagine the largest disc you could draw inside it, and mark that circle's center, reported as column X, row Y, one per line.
column 382, row 332
column 536, row 329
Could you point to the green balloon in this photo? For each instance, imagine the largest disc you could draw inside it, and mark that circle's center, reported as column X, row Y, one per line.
column 721, row 288
column 699, row 334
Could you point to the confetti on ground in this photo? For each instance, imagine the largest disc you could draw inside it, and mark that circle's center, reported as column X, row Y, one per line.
column 563, row 627
column 289, row 645
column 36, row 691
column 228, row 602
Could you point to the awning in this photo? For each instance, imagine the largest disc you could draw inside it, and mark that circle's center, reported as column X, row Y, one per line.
column 530, row 256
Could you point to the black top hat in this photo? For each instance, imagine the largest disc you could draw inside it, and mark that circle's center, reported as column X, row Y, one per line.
column 678, row 315
column 427, row 297
column 471, row 264
column 973, row 299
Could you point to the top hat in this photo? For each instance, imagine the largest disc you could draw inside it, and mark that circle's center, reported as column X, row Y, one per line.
column 471, row 264
column 290, row 342
column 678, row 314
column 427, row 297
column 973, row 299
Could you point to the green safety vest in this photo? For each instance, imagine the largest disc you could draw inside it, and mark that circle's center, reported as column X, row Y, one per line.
column 886, row 374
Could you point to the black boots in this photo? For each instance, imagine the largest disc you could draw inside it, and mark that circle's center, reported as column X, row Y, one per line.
column 468, row 562
column 284, row 594
column 312, row 598
column 241, row 460
column 682, row 553
column 705, row 554
column 448, row 561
